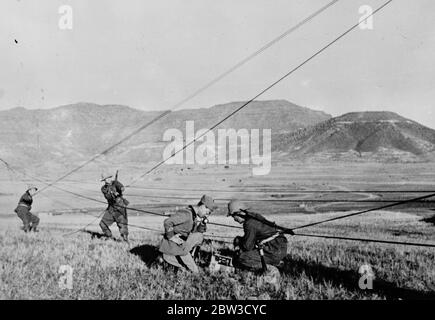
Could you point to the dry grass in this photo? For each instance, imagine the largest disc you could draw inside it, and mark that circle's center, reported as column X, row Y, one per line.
column 314, row 268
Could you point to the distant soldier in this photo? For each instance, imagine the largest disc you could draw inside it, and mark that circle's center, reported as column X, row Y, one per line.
column 184, row 231
column 117, row 207
column 261, row 244
column 30, row 221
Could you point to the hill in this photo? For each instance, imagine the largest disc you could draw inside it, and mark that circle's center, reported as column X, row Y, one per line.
column 68, row 135
column 380, row 135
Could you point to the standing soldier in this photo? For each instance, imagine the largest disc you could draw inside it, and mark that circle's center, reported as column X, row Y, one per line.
column 184, row 231
column 261, row 244
column 117, row 207
column 30, row 221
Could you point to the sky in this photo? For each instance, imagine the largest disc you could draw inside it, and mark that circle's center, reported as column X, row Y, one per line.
column 152, row 54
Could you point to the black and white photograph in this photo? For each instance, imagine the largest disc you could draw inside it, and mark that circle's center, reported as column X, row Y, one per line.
column 217, row 156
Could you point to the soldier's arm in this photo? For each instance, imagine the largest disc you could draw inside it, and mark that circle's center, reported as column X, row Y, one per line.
column 248, row 241
column 202, row 227
column 119, row 187
column 170, row 223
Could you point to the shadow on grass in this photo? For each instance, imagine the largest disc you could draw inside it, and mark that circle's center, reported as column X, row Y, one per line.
column 349, row 279
column 150, row 254
column 295, row 267
column 429, row 220
column 147, row 253
column 97, row 235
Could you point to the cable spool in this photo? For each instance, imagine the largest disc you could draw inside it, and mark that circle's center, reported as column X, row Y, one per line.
column 221, row 263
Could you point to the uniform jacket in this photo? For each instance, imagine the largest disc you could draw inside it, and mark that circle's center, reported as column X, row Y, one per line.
column 26, row 200
column 113, row 193
column 182, row 222
column 255, row 231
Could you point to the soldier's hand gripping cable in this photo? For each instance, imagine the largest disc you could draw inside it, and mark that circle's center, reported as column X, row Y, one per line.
column 116, row 206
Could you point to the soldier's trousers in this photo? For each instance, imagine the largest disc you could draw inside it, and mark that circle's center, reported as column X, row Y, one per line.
column 30, row 221
column 274, row 252
column 194, row 239
column 182, row 261
column 115, row 215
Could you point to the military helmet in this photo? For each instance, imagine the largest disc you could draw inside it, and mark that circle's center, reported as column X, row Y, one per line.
column 31, row 186
column 105, row 176
column 235, row 206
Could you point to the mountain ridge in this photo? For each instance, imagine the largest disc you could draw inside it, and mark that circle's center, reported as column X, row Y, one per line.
column 69, row 134
column 368, row 132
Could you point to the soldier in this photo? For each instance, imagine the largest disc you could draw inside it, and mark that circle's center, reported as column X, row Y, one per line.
column 30, row 221
column 259, row 235
column 117, row 207
column 184, row 231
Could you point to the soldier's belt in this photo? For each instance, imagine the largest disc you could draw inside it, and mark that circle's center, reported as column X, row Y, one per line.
column 263, row 242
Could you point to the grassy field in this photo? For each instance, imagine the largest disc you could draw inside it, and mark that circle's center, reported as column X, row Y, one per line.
column 313, row 269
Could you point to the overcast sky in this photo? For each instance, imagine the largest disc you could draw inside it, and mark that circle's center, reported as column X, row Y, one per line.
column 152, row 54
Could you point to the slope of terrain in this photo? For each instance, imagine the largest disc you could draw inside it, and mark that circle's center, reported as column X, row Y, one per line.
column 361, row 134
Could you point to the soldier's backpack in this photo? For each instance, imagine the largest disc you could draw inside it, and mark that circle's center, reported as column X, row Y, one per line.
column 109, row 192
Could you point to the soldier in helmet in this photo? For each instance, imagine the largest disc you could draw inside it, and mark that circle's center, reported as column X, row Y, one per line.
column 30, row 221
column 259, row 233
column 184, row 231
column 117, row 207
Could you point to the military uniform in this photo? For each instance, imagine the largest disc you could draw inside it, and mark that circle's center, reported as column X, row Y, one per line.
column 30, row 221
column 116, row 210
column 190, row 228
column 256, row 231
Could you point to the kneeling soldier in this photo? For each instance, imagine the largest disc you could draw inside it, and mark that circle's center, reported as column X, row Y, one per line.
column 30, row 221
column 261, row 244
column 184, row 231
